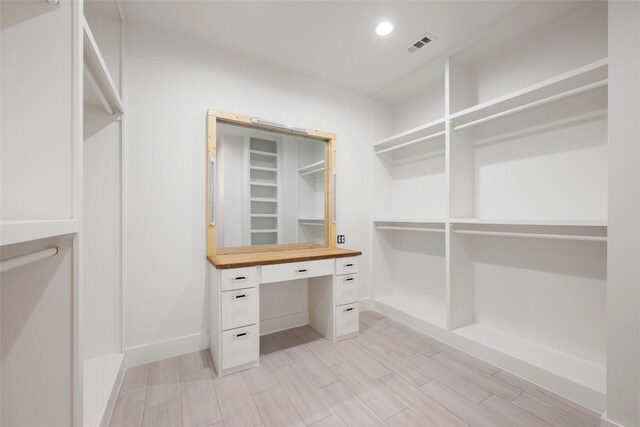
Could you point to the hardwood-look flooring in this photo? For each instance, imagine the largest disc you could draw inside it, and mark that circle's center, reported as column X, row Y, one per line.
column 390, row 375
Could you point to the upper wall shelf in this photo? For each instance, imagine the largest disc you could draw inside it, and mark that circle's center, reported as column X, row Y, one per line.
column 312, row 168
column 97, row 74
column 399, row 224
column 542, row 222
column 552, row 229
column 26, row 231
column 421, row 134
column 576, row 83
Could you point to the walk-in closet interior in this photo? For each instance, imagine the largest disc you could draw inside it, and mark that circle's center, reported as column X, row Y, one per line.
column 319, row 213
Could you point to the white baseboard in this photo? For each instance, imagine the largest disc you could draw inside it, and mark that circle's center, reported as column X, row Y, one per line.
column 606, row 422
column 277, row 324
column 140, row 355
column 365, row 304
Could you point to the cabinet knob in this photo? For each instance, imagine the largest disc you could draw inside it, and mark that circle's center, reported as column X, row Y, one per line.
column 240, row 278
column 349, row 279
column 302, row 270
column 349, row 265
column 240, row 296
column 347, row 309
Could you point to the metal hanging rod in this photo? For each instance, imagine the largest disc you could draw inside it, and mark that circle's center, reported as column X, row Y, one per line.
column 533, row 235
column 16, row 262
column 393, row 227
column 542, row 101
column 415, row 141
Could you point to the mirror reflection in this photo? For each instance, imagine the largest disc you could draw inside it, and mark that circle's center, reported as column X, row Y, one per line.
column 270, row 188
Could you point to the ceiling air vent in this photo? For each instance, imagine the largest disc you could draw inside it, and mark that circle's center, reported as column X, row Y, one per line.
column 419, row 44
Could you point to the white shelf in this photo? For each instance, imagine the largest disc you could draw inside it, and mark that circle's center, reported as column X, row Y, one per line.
column 100, row 377
column 311, row 219
column 263, row 153
column 262, row 168
column 263, row 184
column 578, row 82
column 264, row 215
column 432, row 131
column 312, row 168
column 584, row 230
column 437, row 221
column 264, row 199
column 426, row 313
column 98, row 72
column 264, row 231
column 580, row 371
column 541, row 222
column 25, row 231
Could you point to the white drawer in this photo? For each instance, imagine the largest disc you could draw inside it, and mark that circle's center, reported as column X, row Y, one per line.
column 347, row 265
column 239, row 308
column 346, row 319
column 346, row 289
column 240, row 346
column 297, row 270
column 239, row 278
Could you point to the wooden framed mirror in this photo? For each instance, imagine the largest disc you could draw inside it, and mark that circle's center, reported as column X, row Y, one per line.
column 270, row 186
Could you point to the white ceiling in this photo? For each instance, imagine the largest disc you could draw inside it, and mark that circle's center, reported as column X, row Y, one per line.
column 330, row 40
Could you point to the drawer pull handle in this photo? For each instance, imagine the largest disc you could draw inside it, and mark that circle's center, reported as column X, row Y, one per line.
column 240, row 278
column 240, row 296
column 347, row 309
column 349, row 265
column 302, row 270
column 348, row 279
column 241, row 334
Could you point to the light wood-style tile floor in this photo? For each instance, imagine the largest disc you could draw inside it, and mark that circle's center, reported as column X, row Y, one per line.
column 390, row 375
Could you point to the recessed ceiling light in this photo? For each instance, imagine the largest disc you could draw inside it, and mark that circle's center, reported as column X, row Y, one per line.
column 384, row 28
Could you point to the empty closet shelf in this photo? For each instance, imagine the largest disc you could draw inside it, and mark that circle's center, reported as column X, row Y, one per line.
column 25, row 231
column 423, row 133
column 410, row 225
column 575, row 369
column 576, row 83
column 583, row 230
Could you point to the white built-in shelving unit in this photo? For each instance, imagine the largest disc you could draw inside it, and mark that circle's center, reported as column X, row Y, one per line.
column 311, row 169
column 103, row 187
column 41, row 213
column 264, row 191
column 490, row 207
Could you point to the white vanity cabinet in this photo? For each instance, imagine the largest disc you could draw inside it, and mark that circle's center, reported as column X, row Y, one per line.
column 234, row 319
column 332, row 292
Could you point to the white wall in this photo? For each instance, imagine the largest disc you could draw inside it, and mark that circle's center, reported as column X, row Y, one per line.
column 623, row 287
column 171, row 83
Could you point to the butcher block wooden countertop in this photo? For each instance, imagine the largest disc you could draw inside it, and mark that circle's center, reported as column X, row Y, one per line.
column 236, row 260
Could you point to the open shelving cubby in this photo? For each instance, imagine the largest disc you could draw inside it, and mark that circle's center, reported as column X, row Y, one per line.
column 501, row 183
column 410, row 285
column 311, row 174
column 410, row 199
column 264, row 191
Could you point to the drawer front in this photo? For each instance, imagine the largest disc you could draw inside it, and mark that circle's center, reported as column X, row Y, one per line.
column 346, row 289
column 346, row 319
column 239, row 278
column 297, row 270
column 239, row 308
column 347, row 265
column 240, row 346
